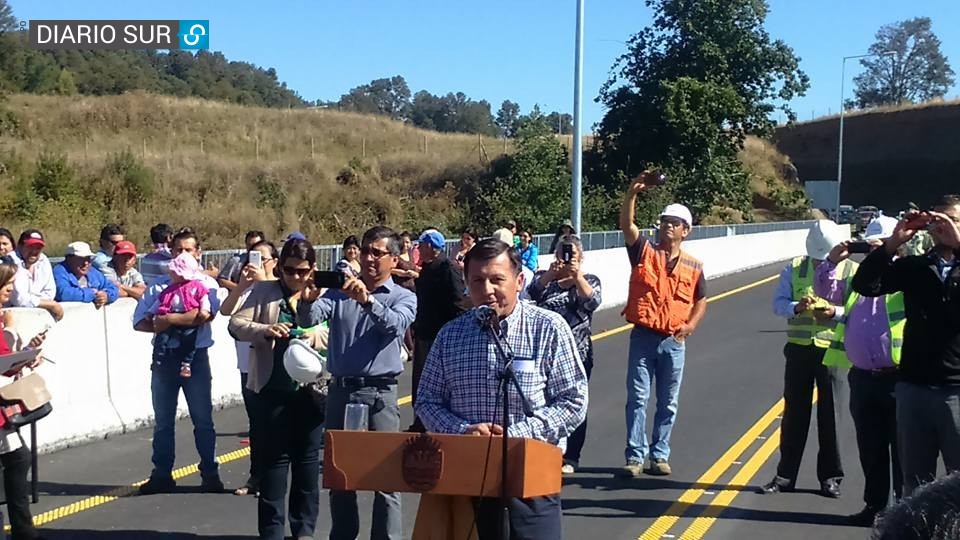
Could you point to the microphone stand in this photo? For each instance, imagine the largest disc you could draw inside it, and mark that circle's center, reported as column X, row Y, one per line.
column 506, row 376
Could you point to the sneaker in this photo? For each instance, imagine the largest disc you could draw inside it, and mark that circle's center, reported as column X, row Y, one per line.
column 659, row 467
column 185, row 370
column 567, row 468
column 211, row 485
column 157, row 484
column 632, row 469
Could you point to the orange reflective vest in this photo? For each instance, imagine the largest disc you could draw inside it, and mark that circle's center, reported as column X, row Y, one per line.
column 661, row 300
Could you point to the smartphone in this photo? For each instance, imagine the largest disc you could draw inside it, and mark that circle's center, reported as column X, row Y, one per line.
column 655, row 178
column 859, row 247
column 566, row 253
column 821, row 308
column 329, row 279
column 255, row 258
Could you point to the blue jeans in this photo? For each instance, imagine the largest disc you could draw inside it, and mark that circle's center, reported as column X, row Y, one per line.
column 165, row 386
column 654, row 357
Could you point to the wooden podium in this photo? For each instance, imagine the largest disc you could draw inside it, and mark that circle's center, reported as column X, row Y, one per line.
column 447, row 470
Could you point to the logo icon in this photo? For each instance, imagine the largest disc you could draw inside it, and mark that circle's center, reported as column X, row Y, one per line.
column 422, row 462
column 194, row 35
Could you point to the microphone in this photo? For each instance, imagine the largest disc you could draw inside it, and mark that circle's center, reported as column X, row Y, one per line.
column 486, row 317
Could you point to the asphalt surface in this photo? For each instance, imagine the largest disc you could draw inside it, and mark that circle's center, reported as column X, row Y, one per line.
column 733, row 377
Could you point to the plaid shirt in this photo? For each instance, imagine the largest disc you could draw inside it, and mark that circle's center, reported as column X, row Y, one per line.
column 459, row 385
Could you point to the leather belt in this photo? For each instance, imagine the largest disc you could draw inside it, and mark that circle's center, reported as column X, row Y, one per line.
column 364, row 382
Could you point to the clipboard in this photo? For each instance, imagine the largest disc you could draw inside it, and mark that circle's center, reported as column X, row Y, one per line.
column 18, row 359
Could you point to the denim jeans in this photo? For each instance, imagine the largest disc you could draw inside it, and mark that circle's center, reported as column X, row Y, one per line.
column 384, row 415
column 655, row 358
column 928, row 426
column 288, row 429
column 165, row 386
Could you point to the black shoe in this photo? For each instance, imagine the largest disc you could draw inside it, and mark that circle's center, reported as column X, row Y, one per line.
column 211, row 485
column 865, row 517
column 157, row 484
column 830, row 488
column 779, row 484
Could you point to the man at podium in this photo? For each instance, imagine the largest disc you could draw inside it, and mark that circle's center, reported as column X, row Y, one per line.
column 459, row 388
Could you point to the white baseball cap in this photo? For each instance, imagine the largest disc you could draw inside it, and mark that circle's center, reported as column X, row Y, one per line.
column 880, row 228
column 822, row 237
column 78, row 249
column 678, row 211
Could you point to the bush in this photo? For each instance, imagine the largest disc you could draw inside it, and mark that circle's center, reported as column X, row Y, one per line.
column 53, row 179
column 137, row 181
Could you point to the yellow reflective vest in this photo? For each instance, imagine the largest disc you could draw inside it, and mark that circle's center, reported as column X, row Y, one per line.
column 836, row 355
column 804, row 329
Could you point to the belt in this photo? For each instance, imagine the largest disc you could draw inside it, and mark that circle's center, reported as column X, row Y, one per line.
column 882, row 372
column 364, row 382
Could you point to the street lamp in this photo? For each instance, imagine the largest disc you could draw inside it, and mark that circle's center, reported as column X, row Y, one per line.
column 843, row 67
column 577, row 122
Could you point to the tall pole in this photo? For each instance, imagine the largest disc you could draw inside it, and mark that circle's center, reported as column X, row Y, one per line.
column 578, row 122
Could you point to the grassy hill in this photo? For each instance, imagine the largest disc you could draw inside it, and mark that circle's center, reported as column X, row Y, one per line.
column 139, row 158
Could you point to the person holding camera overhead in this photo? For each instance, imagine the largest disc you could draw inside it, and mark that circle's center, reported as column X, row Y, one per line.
column 368, row 317
column 811, row 321
column 665, row 303
column 563, row 288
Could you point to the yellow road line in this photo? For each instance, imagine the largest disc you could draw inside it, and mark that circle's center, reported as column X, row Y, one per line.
column 690, row 496
column 721, row 296
column 702, row 524
column 126, row 491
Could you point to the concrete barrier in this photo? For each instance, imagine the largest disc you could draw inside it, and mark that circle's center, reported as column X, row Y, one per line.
column 101, row 379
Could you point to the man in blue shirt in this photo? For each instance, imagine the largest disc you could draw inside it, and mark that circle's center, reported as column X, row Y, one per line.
column 368, row 318
column 166, row 382
column 78, row 281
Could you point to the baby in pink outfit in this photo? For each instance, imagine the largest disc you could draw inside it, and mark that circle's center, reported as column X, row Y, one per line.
column 186, row 293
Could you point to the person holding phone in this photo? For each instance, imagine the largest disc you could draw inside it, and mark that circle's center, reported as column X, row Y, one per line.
column 811, row 321
column 665, row 303
column 368, row 317
column 868, row 342
column 287, row 427
column 928, row 391
column 566, row 290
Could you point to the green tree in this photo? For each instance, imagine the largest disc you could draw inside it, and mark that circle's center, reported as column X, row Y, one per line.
column 687, row 92
column 389, row 97
column 916, row 70
column 8, row 22
column 65, row 84
column 508, row 118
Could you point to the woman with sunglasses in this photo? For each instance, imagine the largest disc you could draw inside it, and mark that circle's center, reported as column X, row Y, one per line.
column 249, row 275
column 287, row 424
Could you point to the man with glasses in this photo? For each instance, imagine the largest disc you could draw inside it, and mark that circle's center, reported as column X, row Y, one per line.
column 110, row 235
column 368, row 318
column 166, row 382
column 78, row 281
column 666, row 301
column 928, row 394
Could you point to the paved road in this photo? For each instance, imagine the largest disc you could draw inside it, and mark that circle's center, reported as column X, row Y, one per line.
column 724, row 445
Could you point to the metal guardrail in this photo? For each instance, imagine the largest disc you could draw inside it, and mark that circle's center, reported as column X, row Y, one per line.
column 329, row 255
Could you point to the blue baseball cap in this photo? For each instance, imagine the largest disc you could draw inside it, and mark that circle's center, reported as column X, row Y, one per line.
column 433, row 239
column 295, row 235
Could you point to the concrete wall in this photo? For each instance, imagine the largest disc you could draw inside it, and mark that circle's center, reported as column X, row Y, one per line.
column 100, row 380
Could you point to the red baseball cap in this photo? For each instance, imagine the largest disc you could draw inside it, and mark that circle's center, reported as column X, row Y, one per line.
column 125, row 247
column 32, row 237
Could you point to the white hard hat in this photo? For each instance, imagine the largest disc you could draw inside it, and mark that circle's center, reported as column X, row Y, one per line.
column 302, row 362
column 678, row 211
column 880, row 228
column 823, row 236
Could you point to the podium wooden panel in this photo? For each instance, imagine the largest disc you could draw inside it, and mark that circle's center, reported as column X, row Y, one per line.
column 373, row 461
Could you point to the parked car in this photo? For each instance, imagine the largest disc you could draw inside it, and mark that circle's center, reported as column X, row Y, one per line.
column 848, row 216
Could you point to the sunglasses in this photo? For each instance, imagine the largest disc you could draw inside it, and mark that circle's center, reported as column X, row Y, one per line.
column 671, row 221
column 377, row 254
column 299, row 272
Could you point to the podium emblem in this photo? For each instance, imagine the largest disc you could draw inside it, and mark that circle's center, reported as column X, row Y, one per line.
column 422, row 462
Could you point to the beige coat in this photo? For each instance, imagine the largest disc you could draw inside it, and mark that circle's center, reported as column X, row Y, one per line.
column 260, row 310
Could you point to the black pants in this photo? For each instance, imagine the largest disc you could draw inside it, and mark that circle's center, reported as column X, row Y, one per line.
column 248, row 398
column 873, row 406
column 579, row 435
column 421, row 347
column 16, row 465
column 804, row 368
column 538, row 518
column 288, row 432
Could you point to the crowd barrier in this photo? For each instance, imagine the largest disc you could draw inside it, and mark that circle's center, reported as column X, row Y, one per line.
column 100, row 374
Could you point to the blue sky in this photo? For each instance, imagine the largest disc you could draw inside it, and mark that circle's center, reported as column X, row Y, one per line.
column 499, row 49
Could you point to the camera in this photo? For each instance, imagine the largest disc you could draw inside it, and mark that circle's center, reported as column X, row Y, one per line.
column 329, row 279
column 859, row 247
column 566, row 253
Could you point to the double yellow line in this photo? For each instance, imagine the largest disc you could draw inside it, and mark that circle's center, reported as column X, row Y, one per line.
column 183, row 472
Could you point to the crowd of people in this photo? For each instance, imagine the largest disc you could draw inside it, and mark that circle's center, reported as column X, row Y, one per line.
column 880, row 337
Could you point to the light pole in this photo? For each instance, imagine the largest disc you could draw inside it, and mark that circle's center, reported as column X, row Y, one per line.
column 843, row 67
column 578, row 122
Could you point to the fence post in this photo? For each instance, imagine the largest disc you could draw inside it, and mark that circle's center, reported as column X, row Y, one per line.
column 258, row 147
column 144, row 148
column 363, row 147
column 201, row 146
column 311, row 148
